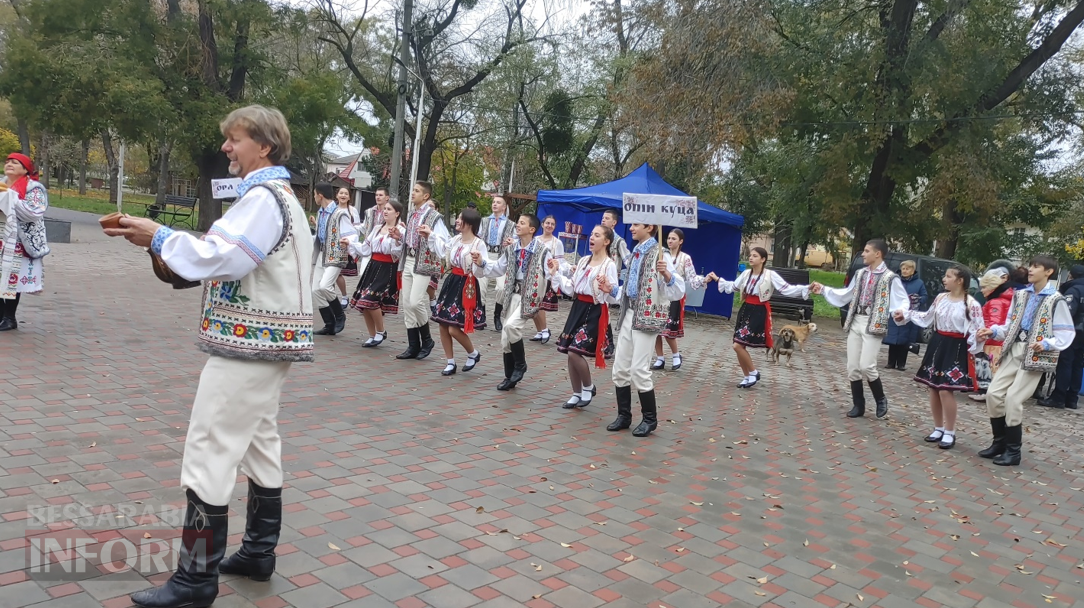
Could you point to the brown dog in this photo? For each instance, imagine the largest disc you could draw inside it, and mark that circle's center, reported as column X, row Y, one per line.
column 784, row 345
column 801, row 333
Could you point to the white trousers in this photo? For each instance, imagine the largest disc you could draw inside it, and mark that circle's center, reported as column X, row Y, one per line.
column 413, row 300
column 632, row 359
column 1011, row 387
column 496, row 285
column 323, row 284
column 862, row 350
column 512, row 330
column 234, row 423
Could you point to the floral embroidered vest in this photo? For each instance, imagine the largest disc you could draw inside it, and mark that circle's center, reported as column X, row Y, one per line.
column 534, row 278
column 879, row 313
column 426, row 261
column 267, row 315
column 331, row 252
column 1042, row 328
column 651, row 309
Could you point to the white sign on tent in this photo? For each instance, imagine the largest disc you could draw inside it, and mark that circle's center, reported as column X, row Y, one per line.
column 659, row 210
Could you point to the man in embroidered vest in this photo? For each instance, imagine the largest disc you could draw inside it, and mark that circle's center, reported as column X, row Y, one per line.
column 523, row 265
column 257, row 321
column 645, row 298
column 329, row 258
column 370, row 218
column 874, row 294
column 496, row 230
column 1038, row 327
column 619, row 253
column 1067, row 379
column 418, row 265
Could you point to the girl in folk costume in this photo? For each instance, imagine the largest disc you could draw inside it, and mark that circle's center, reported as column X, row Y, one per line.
column 342, row 196
column 377, row 293
column 998, row 292
column 550, row 301
column 645, row 303
column 753, row 326
column 23, row 202
column 584, row 334
column 460, row 309
column 675, row 325
column 948, row 366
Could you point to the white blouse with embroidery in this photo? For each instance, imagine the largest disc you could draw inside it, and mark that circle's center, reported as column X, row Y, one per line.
column 378, row 243
column 683, row 264
column 748, row 284
column 583, row 279
column 455, row 252
column 951, row 316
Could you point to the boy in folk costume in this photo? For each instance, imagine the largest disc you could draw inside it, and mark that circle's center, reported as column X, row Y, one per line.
column 1039, row 327
column 370, row 218
column 496, row 230
column 257, row 321
column 329, row 257
column 875, row 293
column 524, row 266
column 619, row 252
column 418, row 265
column 645, row 308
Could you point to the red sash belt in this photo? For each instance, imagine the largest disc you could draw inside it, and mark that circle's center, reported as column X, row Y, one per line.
column 951, row 334
column 382, row 257
column 756, row 301
column 470, row 299
column 603, row 323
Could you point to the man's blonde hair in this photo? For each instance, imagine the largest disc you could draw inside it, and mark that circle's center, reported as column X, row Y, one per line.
column 266, row 126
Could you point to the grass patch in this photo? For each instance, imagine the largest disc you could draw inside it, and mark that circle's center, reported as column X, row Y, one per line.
column 821, row 307
column 97, row 202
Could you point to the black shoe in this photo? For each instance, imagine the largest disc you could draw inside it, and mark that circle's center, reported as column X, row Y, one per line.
column 879, row 397
column 413, row 344
column 329, row 323
column 658, row 364
column 858, row 398
column 675, row 366
column 520, row 357
column 1050, row 402
column 572, row 403
column 947, row 441
column 650, row 412
column 934, row 437
column 338, row 315
column 8, row 324
column 997, row 448
column 449, row 370
column 1070, row 406
column 256, row 559
column 195, row 583
column 427, row 342
column 624, row 409
column 471, row 362
column 545, row 336
column 746, row 383
column 1014, row 439
column 497, row 309
column 509, row 367
column 901, row 367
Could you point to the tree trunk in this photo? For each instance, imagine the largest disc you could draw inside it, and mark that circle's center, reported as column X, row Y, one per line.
column 513, row 139
column 24, row 136
column 952, row 218
column 801, row 255
column 44, row 161
column 114, row 168
column 211, row 165
column 165, row 147
column 83, row 153
column 783, row 256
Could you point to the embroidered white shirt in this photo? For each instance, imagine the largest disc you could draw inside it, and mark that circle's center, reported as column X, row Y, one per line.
column 951, row 316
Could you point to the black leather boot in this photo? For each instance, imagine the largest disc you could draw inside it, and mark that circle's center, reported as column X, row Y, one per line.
column 858, row 398
column 1014, row 442
column 497, row 309
column 997, row 448
column 879, row 397
column 413, row 344
column 256, row 559
column 608, row 351
column 520, row 368
column 650, row 412
column 329, row 323
column 203, row 543
column 509, row 367
column 338, row 315
column 427, row 343
column 624, row 409
column 7, row 314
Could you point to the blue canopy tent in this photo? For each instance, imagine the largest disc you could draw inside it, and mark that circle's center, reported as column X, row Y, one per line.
column 714, row 246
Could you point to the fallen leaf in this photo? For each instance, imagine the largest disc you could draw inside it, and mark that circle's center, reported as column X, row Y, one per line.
column 759, row 592
column 699, row 504
column 762, row 580
column 832, row 567
column 975, row 554
column 544, row 479
column 480, row 510
column 146, row 535
column 859, row 596
column 565, row 545
column 536, row 596
column 629, row 558
column 680, row 549
column 95, row 444
column 806, row 543
column 55, row 481
column 333, row 547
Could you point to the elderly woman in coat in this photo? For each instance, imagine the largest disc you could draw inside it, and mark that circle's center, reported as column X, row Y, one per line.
column 23, row 202
column 900, row 338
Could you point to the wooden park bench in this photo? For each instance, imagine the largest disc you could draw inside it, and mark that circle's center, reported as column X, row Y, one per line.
column 178, row 209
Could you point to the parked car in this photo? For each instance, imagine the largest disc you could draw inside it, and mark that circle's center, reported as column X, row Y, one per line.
column 930, row 271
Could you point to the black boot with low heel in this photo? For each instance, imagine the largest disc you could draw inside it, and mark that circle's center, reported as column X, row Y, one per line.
column 624, row 409
column 858, row 398
column 256, row 559
column 650, row 412
column 997, row 448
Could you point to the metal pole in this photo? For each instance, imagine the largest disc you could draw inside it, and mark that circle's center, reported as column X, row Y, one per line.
column 120, row 179
column 400, row 104
column 417, row 135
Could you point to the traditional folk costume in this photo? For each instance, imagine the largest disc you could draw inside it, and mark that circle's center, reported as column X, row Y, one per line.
column 645, row 305
column 329, row 257
column 994, row 312
column 351, row 269
column 874, row 295
column 256, row 322
column 494, row 231
column 583, row 333
column 949, row 363
column 459, row 303
column 619, row 253
column 378, row 288
column 551, row 301
column 526, row 278
column 370, row 218
column 675, row 321
column 419, row 263
column 22, row 242
column 753, row 325
column 1034, row 319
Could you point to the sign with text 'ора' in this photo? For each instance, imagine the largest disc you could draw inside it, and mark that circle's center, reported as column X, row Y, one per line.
column 659, row 210
column 225, row 188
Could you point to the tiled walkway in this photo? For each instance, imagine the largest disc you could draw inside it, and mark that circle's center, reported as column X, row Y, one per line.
column 408, row 489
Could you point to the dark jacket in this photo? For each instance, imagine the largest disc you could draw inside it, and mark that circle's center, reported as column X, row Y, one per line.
column 908, row 334
column 1074, row 293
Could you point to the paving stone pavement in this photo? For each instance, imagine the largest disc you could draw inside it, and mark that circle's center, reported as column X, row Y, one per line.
column 407, row 489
